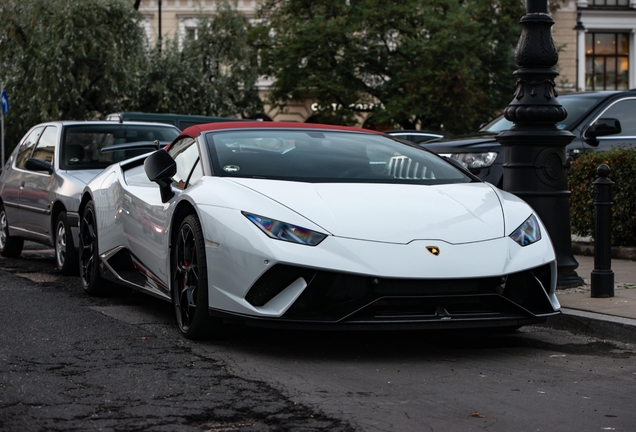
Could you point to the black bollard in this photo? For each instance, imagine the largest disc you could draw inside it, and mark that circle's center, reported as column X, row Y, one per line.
column 602, row 275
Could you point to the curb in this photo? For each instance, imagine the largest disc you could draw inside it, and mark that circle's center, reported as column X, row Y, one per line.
column 594, row 325
column 618, row 252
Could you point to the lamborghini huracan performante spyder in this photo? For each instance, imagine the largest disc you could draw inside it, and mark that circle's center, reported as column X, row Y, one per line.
column 314, row 225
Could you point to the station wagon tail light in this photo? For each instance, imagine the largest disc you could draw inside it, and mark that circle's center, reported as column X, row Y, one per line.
column 528, row 233
column 287, row 232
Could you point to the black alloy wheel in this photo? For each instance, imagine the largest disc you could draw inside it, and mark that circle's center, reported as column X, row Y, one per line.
column 190, row 282
column 9, row 246
column 92, row 281
column 65, row 253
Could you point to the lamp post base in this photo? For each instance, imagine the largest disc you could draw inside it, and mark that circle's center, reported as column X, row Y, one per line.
column 568, row 279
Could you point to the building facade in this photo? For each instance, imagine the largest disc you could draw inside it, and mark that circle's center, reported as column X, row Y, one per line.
column 596, row 40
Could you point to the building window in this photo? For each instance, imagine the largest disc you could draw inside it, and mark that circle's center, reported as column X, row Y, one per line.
column 608, row 3
column 190, row 34
column 606, row 61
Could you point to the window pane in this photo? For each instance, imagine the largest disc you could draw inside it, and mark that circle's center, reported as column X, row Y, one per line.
column 605, row 43
column 599, row 69
column 319, row 156
column 610, row 73
column 589, row 74
column 589, row 43
column 623, row 43
column 185, row 154
column 45, row 150
column 625, row 112
column 27, row 147
column 623, row 68
column 610, row 2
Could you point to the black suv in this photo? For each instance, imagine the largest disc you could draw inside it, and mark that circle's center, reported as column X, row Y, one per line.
column 598, row 120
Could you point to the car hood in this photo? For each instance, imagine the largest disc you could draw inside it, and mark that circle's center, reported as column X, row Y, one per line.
column 84, row 176
column 480, row 140
column 456, row 213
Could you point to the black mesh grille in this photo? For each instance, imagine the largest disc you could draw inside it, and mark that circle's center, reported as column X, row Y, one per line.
column 331, row 297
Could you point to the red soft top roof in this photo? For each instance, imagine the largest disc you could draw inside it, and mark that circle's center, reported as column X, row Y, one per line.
column 196, row 130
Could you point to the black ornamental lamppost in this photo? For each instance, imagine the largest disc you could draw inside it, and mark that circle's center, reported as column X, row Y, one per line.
column 535, row 163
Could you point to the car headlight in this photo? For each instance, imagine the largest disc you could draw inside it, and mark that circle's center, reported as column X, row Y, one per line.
column 287, row 232
column 528, row 233
column 473, row 160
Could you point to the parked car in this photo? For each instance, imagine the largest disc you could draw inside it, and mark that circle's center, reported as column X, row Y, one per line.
column 598, row 120
column 292, row 224
column 417, row 136
column 181, row 121
column 43, row 178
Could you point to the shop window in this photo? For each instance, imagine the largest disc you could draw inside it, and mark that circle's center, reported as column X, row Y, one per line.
column 606, row 61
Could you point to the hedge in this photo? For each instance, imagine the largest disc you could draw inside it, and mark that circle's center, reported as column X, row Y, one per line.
column 581, row 176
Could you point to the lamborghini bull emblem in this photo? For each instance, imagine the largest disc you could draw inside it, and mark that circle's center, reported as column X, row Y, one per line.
column 433, row 249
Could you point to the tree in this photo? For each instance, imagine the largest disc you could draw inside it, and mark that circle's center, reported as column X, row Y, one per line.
column 413, row 62
column 213, row 74
column 67, row 59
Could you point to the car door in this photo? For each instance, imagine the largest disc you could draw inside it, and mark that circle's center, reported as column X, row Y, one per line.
column 35, row 187
column 13, row 178
column 623, row 110
column 147, row 221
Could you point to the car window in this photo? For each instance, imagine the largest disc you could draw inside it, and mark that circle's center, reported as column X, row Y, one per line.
column 82, row 144
column 45, row 149
column 625, row 112
column 576, row 107
column 26, row 148
column 327, row 156
column 186, row 155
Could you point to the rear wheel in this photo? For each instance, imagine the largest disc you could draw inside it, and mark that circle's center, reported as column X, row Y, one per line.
column 92, row 282
column 9, row 246
column 190, row 282
column 65, row 253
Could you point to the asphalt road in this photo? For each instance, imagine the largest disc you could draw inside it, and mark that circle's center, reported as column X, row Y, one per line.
column 72, row 362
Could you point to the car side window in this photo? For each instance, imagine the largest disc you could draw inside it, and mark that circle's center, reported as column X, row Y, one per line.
column 26, row 148
column 186, row 154
column 45, row 149
column 625, row 112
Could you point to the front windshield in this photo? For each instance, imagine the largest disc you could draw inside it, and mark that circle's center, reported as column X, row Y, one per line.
column 576, row 107
column 326, row 156
column 82, row 144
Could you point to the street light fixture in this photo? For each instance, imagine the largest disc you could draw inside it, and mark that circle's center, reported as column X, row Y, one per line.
column 535, row 163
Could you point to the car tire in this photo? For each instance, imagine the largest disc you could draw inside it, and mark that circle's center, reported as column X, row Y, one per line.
column 92, row 281
column 65, row 253
column 9, row 246
column 189, row 284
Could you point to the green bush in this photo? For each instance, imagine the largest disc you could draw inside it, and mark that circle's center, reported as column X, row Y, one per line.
column 622, row 162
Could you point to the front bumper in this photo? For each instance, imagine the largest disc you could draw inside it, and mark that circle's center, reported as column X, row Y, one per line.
column 342, row 300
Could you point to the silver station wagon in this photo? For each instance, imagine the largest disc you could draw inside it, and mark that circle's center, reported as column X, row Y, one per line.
column 42, row 180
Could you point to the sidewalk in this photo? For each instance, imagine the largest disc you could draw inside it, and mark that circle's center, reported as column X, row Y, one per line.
column 606, row 318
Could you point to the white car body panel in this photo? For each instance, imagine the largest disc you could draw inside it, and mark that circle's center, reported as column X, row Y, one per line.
column 374, row 230
column 376, row 212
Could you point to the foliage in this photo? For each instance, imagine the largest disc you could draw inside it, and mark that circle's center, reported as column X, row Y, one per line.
column 67, row 59
column 622, row 162
column 214, row 74
column 431, row 62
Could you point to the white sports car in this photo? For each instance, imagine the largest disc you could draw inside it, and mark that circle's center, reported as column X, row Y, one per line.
column 314, row 225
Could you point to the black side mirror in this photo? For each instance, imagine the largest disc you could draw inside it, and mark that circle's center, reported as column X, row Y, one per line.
column 160, row 168
column 33, row 164
column 602, row 127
